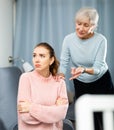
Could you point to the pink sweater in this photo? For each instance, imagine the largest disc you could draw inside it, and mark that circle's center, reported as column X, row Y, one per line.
column 42, row 93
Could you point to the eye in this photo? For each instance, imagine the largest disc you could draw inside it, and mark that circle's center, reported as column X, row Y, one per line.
column 86, row 25
column 78, row 23
column 42, row 56
column 34, row 55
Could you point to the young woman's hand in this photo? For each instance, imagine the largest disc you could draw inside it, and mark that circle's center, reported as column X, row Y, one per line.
column 24, row 106
column 61, row 101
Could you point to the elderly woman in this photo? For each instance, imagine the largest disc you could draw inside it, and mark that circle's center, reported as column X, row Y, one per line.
column 87, row 49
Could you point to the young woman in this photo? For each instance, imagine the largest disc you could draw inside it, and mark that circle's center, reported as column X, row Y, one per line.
column 87, row 49
column 42, row 101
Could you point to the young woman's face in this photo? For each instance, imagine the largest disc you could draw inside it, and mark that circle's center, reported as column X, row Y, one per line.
column 83, row 27
column 41, row 59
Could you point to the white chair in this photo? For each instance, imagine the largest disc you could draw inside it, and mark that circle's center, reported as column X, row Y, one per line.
column 86, row 105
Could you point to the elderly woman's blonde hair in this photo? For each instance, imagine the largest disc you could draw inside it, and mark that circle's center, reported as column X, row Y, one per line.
column 90, row 13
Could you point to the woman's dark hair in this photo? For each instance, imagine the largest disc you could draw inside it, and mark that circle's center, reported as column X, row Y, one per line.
column 55, row 65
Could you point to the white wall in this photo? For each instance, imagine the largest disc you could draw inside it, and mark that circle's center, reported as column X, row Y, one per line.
column 6, row 31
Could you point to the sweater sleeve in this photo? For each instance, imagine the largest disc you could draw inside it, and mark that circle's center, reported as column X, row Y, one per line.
column 54, row 113
column 24, row 93
column 65, row 57
column 99, row 63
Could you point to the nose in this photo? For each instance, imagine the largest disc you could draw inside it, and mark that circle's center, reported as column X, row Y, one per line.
column 81, row 28
column 36, row 59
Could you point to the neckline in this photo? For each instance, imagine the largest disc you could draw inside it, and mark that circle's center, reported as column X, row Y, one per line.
column 42, row 77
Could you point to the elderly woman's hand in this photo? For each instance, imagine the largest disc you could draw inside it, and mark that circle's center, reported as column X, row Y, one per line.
column 75, row 72
column 59, row 76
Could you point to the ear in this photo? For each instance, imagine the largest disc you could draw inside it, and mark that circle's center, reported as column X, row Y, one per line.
column 51, row 60
column 93, row 28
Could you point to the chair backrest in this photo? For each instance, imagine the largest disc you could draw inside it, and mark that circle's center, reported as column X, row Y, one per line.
column 67, row 125
column 86, row 105
column 9, row 78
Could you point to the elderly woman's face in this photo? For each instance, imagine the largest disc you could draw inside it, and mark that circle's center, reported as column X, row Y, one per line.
column 83, row 27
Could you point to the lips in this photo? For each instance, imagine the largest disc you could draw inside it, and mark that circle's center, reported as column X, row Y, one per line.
column 81, row 33
column 37, row 65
